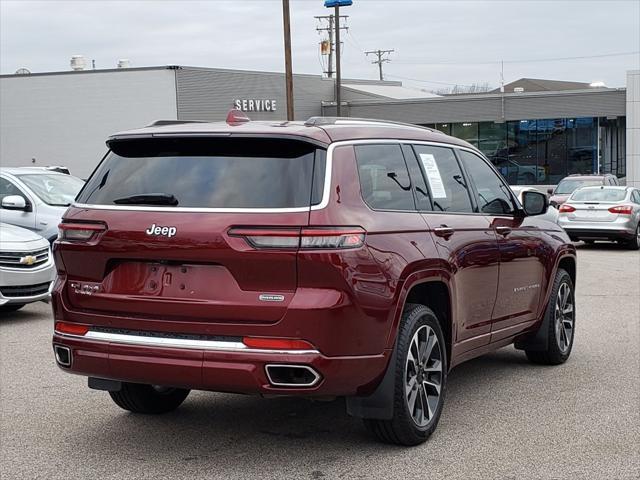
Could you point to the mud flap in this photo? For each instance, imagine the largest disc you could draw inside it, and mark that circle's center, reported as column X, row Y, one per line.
column 104, row 384
column 538, row 341
column 378, row 405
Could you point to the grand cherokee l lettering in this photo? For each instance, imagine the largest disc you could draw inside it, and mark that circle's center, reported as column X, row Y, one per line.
column 335, row 257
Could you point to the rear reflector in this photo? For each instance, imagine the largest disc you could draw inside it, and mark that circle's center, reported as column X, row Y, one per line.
column 79, row 232
column 305, row 238
column 71, row 328
column 277, row 343
column 567, row 208
column 622, row 209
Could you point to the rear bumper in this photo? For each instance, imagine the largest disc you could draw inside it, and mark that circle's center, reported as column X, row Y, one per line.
column 621, row 228
column 219, row 368
column 600, row 233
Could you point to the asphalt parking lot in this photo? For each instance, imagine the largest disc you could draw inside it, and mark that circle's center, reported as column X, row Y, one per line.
column 504, row 418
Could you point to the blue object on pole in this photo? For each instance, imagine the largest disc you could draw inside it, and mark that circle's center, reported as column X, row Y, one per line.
column 337, row 3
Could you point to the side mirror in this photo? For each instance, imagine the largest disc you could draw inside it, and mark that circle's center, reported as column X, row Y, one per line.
column 550, row 191
column 534, row 203
column 14, row 202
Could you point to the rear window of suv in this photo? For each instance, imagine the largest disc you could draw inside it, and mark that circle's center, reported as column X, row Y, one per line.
column 209, row 173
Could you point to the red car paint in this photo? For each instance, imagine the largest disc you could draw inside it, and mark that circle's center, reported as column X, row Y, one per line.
column 204, row 282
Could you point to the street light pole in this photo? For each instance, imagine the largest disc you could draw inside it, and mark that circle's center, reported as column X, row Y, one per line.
column 337, row 19
column 336, row 4
column 287, row 59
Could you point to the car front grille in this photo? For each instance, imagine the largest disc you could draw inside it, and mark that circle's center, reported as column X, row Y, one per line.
column 25, row 290
column 24, row 260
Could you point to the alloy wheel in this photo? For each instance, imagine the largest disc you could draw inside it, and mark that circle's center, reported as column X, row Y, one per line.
column 423, row 375
column 564, row 317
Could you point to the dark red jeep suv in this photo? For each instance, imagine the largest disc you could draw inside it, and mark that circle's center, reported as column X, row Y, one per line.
column 335, row 257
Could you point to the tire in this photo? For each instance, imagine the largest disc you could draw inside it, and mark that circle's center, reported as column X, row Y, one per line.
column 419, row 327
column 148, row 399
column 561, row 328
column 634, row 243
column 12, row 307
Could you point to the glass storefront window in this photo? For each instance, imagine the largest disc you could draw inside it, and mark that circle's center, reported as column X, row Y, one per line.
column 552, row 149
column 582, row 149
column 521, row 163
column 540, row 151
column 443, row 127
column 492, row 140
column 467, row 131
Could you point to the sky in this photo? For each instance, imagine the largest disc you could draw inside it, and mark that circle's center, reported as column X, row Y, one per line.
column 437, row 44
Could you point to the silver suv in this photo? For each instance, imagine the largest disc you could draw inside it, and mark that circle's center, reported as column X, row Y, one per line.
column 36, row 198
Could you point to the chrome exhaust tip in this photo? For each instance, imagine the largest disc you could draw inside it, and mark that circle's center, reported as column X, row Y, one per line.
column 63, row 355
column 296, row 376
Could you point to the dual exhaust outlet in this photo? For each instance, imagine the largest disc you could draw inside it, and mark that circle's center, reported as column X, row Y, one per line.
column 292, row 376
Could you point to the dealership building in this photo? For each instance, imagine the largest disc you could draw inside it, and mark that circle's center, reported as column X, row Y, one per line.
column 535, row 131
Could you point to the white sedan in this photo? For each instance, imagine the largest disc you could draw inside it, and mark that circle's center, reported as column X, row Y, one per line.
column 26, row 268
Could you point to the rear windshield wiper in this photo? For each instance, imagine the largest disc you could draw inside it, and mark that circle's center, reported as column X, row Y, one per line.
column 148, row 199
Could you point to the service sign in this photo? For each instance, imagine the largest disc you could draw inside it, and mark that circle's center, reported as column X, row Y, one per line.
column 254, row 105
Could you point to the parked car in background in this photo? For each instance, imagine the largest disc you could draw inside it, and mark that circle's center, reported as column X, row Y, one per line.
column 26, row 267
column 552, row 212
column 569, row 184
column 603, row 213
column 335, row 257
column 35, row 198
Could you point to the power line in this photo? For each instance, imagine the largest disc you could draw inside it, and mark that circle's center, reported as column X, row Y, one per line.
column 533, row 60
column 381, row 58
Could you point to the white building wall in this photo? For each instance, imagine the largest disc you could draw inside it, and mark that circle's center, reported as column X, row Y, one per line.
column 64, row 119
column 633, row 128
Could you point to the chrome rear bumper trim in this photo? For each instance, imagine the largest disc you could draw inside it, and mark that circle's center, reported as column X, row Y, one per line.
column 190, row 344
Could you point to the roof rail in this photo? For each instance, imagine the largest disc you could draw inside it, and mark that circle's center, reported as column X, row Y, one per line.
column 160, row 123
column 319, row 121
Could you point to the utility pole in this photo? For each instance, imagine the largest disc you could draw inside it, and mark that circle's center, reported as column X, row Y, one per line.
column 330, row 29
column 287, row 59
column 381, row 58
column 338, row 101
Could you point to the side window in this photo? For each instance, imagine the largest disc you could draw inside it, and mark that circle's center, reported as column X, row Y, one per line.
column 635, row 196
column 7, row 188
column 384, row 180
column 493, row 194
column 448, row 187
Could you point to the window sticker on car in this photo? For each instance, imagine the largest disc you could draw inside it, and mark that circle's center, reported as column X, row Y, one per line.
column 433, row 175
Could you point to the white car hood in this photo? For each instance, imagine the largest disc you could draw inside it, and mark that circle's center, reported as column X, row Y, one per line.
column 10, row 234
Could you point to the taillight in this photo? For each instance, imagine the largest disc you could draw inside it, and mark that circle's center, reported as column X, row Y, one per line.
column 268, row 237
column 71, row 328
column 305, row 238
column 622, row 209
column 564, row 208
column 329, row 237
column 80, row 232
column 266, row 343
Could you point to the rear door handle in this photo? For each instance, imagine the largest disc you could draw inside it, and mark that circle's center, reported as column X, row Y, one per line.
column 504, row 231
column 443, row 231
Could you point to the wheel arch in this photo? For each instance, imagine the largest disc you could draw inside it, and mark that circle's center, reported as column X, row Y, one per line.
column 425, row 288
